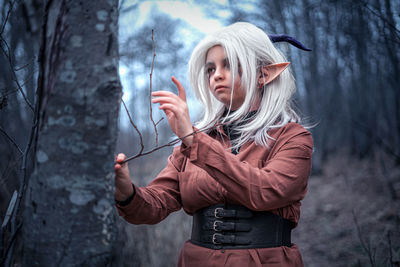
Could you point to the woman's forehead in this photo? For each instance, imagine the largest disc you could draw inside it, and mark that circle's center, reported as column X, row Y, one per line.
column 216, row 52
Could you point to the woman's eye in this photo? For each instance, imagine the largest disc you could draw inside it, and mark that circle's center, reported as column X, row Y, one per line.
column 210, row 70
column 226, row 64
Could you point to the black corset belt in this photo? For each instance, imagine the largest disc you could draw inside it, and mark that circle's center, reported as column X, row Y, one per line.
column 225, row 226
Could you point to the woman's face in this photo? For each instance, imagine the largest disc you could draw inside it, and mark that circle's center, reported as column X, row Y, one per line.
column 220, row 78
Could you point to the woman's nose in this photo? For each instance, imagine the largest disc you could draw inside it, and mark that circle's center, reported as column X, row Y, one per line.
column 218, row 75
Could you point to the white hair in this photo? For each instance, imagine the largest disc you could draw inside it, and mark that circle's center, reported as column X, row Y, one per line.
column 249, row 47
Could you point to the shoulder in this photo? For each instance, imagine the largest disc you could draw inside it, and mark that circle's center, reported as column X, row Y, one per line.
column 292, row 133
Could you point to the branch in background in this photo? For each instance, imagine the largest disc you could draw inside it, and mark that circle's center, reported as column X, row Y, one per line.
column 3, row 101
column 9, row 211
column 3, row 26
column 14, row 211
column 25, row 65
column 3, row 97
column 12, row 67
column 367, row 248
column 11, row 140
column 151, row 86
column 386, row 176
column 379, row 141
column 134, row 126
column 9, row 251
column 390, row 249
column 367, row 6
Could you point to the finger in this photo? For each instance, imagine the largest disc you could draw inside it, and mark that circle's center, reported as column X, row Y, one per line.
column 163, row 93
column 117, row 167
column 169, row 107
column 161, row 100
column 181, row 90
column 121, row 156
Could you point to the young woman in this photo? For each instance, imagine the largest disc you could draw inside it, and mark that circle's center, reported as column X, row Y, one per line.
column 243, row 170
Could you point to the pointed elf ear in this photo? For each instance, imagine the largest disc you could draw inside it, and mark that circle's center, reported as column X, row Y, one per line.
column 269, row 72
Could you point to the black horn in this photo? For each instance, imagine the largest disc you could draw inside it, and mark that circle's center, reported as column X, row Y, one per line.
column 286, row 38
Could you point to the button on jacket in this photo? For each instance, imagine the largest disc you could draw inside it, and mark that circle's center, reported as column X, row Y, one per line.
column 272, row 178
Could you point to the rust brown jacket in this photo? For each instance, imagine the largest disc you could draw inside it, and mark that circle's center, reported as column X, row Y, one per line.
column 261, row 178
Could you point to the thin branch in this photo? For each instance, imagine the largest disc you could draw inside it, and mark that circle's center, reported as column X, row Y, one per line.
column 134, row 126
column 171, row 143
column 9, row 93
column 159, row 120
column 365, row 247
column 9, row 249
column 15, row 90
column 15, row 210
column 10, row 209
column 22, row 185
column 11, row 140
column 15, row 78
column 6, row 19
column 25, row 65
column 151, row 86
column 3, row 97
column 367, row 6
column 390, row 249
column 378, row 140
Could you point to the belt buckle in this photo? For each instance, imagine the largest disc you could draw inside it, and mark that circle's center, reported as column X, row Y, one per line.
column 215, row 225
column 215, row 213
column 214, row 239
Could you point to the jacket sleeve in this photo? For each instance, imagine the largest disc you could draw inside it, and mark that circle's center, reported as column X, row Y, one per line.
column 280, row 182
column 153, row 203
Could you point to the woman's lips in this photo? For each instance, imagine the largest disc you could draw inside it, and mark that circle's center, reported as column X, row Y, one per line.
column 220, row 88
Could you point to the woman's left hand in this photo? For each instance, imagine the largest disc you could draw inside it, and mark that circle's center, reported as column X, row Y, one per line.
column 176, row 110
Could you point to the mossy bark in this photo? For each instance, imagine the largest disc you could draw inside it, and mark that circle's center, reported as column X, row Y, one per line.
column 69, row 211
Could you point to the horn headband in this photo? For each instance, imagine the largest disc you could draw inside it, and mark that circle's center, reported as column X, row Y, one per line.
column 275, row 38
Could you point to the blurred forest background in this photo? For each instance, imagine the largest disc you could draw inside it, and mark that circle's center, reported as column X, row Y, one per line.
column 348, row 88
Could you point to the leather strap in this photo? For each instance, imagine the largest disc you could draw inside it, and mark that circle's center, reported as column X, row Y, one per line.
column 225, row 226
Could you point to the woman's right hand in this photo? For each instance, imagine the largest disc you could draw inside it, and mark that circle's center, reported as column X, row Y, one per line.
column 123, row 184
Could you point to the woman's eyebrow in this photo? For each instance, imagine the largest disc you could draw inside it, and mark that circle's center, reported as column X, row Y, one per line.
column 209, row 64
column 224, row 61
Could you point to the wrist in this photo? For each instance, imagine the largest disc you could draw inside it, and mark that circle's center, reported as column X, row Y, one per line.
column 128, row 199
column 188, row 141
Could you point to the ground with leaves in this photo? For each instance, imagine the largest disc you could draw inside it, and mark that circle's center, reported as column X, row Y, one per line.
column 350, row 216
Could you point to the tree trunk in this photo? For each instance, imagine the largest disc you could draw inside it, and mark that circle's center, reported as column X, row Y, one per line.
column 69, row 211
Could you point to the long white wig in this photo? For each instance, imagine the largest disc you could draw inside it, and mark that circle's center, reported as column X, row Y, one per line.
column 246, row 47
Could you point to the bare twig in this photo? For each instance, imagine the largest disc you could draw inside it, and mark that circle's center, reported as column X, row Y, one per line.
column 378, row 140
column 390, row 249
column 10, row 209
column 367, row 247
column 7, row 16
column 134, row 126
column 25, row 65
column 368, row 7
column 151, row 86
column 14, row 75
column 15, row 208
column 8, row 253
column 171, row 143
column 159, row 120
column 22, row 186
column 9, row 93
column 11, row 140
